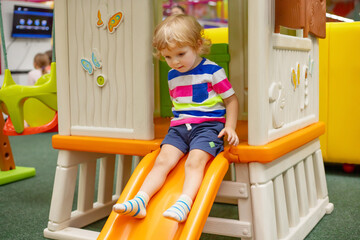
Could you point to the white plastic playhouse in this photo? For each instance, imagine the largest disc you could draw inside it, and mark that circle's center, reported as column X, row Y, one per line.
column 105, row 75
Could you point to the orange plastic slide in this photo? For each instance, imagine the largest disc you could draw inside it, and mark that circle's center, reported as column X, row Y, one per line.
column 154, row 225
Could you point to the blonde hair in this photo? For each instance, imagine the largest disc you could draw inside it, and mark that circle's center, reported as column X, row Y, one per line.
column 178, row 31
column 41, row 60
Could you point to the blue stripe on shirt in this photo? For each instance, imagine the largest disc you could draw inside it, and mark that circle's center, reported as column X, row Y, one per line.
column 215, row 113
column 199, row 69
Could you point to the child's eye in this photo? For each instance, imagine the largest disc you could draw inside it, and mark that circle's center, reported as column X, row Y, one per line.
column 181, row 54
column 166, row 57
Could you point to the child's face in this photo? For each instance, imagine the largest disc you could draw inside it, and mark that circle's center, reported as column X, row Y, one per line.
column 182, row 59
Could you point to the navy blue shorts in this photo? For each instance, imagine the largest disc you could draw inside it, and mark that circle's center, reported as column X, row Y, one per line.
column 202, row 136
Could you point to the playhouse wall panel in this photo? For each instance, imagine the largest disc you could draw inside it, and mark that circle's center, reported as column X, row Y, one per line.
column 122, row 106
column 282, row 77
column 293, row 91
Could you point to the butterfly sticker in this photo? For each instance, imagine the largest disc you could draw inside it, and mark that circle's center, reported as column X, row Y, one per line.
column 85, row 63
column 304, row 89
column 99, row 22
column 311, row 65
column 95, row 59
column 113, row 23
column 295, row 76
column 306, row 86
column 91, row 66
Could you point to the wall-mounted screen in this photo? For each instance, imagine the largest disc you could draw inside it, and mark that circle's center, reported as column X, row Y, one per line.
column 31, row 22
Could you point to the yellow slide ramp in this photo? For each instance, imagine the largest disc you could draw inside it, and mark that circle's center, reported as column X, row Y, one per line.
column 154, row 225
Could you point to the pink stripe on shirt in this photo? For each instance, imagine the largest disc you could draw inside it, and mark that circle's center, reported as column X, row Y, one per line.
column 181, row 91
column 222, row 86
column 195, row 121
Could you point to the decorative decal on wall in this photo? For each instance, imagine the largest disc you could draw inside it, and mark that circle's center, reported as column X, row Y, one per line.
column 115, row 21
column 298, row 72
column 87, row 65
column 95, row 63
column 95, row 58
column 277, row 101
column 99, row 22
column 100, row 80
column 302, row 89
column 306, row 88
column 311, row 65
column 295, row 76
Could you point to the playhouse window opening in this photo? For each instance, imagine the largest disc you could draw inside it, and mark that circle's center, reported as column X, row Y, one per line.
column 291, row 32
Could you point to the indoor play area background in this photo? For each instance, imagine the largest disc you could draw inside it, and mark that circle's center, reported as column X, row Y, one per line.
column 26, row 204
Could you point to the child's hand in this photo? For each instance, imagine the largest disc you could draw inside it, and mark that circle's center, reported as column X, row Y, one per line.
column 232, row 137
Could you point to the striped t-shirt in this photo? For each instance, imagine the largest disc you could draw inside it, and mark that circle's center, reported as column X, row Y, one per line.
column 197, row 95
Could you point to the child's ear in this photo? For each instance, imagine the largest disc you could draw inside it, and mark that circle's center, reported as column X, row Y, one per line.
column 199, row 44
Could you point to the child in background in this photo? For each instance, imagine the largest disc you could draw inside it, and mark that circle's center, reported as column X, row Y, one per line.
column 41, row 61
column 177, row 9
column 49, row 54
column 201, row 95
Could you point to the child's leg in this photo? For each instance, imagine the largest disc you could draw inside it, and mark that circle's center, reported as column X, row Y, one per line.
column 194, row 173
column 166, row 160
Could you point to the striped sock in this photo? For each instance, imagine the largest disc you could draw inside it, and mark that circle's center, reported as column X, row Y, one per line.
column 180, row 210
column 135, row 207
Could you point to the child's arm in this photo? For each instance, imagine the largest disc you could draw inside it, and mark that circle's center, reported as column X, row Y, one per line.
column 232, row 106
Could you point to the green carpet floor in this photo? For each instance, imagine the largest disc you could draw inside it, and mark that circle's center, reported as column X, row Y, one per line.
column 24, row 205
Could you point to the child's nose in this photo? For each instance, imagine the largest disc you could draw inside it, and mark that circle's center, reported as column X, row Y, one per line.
column 175, row 61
